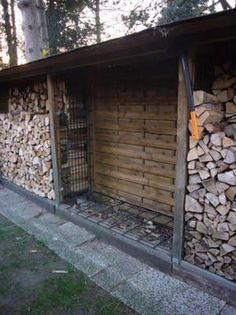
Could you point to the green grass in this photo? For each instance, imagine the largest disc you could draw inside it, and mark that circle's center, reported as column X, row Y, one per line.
column 40, row 244
column 17, row 262
column 4, row 284
column 25, row 264
column 2, row 234
column 49, row 294
column 67, row 292
column 71, row 268
column 61, row 292
column 107, row 306
column 10, row 232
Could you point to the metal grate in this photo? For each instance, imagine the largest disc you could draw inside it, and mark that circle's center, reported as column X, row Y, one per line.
column 203, row 75
column 137, row 223
column 73, row 135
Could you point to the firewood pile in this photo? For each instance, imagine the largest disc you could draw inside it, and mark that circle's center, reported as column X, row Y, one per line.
column 210, row 203
column 25, row 147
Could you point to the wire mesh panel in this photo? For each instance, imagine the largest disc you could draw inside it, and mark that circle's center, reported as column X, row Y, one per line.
column 73, row 142
column 204, row 75
column 137, row 223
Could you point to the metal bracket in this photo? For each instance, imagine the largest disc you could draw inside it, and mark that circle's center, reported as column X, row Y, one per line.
column 175, row 261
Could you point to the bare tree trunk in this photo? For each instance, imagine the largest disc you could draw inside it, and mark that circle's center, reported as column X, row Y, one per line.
column 14, row 36
column 1, row 61
column 225, row 4
column 42, row 23
column 98, row 22
column 34, row 28
column 9, row 36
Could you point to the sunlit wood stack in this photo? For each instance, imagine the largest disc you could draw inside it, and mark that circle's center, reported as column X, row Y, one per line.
column 210, row 203
column 25, row 141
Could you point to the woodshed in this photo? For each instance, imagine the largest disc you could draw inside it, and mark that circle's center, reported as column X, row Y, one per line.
column 104, row 133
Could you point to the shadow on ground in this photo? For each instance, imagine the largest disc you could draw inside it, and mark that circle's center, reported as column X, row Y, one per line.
column 33, row 280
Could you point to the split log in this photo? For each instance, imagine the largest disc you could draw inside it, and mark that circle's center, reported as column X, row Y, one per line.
column 208, row 117
column 223, row 81
column 225, row 95
column 25, row 147
column 201, row 97
column 211, row 199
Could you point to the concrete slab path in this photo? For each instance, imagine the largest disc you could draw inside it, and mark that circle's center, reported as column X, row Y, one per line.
column 146, row 290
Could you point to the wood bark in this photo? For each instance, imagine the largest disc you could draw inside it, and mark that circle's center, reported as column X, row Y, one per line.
column 225, row 4
column 9, row 24
column 34, row 28
column 54, row 126
column 42, row 23
column 14, row 35
column 98, row 21
column 181, row 169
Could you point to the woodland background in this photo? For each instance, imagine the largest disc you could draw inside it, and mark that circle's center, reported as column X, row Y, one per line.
column 34, row 29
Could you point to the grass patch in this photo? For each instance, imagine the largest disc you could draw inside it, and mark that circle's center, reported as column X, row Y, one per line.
column 71, row 268
column 40, row 244
column 4, row 285
column 25, row 264
column 3, row 269
column 2, row 234
column 107, row 306
column 17, row 262
column 62, row 292
column 28, row 287
column 10, row 231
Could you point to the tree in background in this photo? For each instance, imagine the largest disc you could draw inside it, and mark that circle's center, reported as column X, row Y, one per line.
column 2, row 65
column 136, row 16
column 75, row 23
column 95, row 9
column 9, row 26
column 34, row 28
column 67, row 26
column 225, row 4
column 166, row 11
column 98, row 24
column 176, row 10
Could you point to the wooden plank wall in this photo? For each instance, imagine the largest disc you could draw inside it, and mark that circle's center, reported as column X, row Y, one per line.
column 134, row 138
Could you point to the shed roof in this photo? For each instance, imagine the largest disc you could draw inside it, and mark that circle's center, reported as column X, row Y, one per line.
column 167, row 39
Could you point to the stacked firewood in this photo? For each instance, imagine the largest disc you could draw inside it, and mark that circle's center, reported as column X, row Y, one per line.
column 32, row 99
column 25, row 143
column 210, row 203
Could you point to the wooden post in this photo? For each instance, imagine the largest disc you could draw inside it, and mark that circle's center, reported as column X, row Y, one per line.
column 90, row 128
column 181, row 167
column 54, row 140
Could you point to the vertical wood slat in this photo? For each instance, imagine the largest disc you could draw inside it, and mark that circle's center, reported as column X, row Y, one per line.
column 54, row 140
column 181, row 166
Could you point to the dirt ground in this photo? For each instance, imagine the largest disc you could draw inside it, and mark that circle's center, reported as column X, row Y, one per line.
column 34, row 280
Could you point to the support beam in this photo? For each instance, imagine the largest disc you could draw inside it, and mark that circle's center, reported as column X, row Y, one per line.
column 90, row 124
column 181, row 166
column 54, row 141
